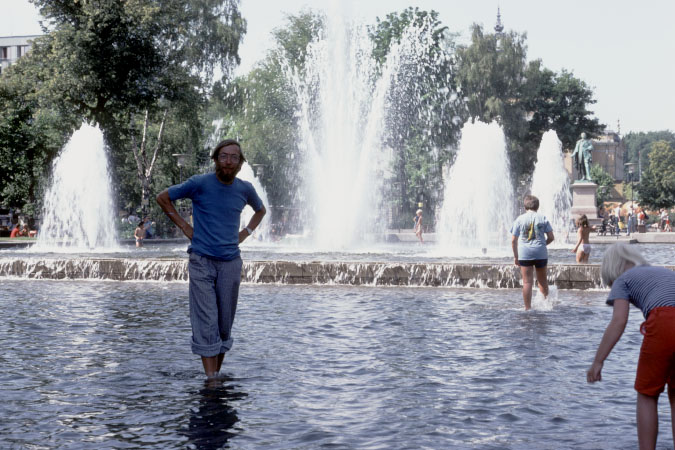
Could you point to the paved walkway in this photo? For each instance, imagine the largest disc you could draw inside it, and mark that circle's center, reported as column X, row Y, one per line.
column 396, row 236
column 642, row 238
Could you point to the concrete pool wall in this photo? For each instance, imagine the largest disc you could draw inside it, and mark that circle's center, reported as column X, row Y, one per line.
column 564, row 276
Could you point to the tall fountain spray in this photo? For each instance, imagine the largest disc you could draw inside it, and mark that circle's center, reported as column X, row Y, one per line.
column 78, row 213
column 551, row 184
column 246, row 174
column 343, row 102
column 478, row 203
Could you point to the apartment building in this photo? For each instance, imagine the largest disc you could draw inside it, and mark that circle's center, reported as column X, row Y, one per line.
column 13, row 48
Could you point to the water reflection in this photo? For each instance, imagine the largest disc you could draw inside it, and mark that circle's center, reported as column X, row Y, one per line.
column 213, row 415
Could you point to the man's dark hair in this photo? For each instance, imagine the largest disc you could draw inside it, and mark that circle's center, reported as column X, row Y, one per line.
column 531, row 202
column 225, row 143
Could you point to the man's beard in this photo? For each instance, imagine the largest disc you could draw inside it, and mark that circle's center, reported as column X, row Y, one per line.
column 225, row 177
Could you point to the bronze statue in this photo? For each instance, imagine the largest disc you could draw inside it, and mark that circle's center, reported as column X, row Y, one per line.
column 582, row 158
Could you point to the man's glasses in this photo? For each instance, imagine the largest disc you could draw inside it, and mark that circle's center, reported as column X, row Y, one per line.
column 223, row 157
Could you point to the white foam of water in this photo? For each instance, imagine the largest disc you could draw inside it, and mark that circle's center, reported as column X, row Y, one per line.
column 541, row 303
column 551, row 184
column 246, row 174
column 78, row 213
column 478, row 202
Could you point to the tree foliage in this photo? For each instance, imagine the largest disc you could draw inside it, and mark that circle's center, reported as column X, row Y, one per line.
column 638, row 145
column 117, row 62
column 604, row 181
column 142, row 69
column 525, row 98
column 657, row 186
column 559, row 102
column 31, row 134
column 260, row 109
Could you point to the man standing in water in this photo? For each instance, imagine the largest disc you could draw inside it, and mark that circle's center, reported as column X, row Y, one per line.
column 215, row 263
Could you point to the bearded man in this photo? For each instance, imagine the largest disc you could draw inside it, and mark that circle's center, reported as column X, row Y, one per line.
column 218, row 199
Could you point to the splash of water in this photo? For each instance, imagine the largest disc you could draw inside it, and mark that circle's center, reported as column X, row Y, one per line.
column 246, row 174
column 78, row 213
column 551, row 184
column 541, row 303
column 478, row 203
column 343, row 98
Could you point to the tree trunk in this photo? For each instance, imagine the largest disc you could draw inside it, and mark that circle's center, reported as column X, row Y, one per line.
column 144, row 167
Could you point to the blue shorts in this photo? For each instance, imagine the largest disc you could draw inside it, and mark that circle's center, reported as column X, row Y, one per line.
column 214, row 289
column 538, row 263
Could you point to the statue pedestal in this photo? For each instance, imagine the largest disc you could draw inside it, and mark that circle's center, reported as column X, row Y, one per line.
column 583, row 201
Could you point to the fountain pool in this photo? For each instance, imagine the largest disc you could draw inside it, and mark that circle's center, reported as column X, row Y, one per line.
column 107, row 365
column 408, row 252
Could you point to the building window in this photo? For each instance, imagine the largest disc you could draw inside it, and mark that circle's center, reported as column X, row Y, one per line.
column 18, row 51
column 4, row 53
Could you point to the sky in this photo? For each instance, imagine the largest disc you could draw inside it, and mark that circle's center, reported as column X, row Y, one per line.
column 624, row 50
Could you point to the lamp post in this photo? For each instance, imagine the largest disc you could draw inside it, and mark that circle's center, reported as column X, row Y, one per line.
column 181, row 159
column 631, row 176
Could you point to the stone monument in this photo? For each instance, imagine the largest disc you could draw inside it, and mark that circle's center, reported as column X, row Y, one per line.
column 583, row 189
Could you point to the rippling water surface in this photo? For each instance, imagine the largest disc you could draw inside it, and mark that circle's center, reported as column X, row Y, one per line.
column 108, row 365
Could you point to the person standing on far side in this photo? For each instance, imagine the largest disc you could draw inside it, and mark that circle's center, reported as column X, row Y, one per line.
column 418, row 225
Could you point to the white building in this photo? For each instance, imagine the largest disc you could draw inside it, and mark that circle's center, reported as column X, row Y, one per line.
column 13, row 48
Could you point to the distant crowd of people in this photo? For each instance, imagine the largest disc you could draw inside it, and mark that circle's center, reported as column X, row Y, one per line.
column 635, row 217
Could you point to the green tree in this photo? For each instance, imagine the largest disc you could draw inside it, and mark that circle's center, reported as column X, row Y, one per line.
column 525, row 98
column 260, row 109
column 31, row 135
column 129, row 68
column 559, row 102
column 638, row 145
column 491, row 72
column 604, row 181
column 657, row 186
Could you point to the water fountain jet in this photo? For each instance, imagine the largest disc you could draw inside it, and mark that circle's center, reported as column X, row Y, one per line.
column 478, row 202
column 78, row 213
column 551, row 184
column 345, row 110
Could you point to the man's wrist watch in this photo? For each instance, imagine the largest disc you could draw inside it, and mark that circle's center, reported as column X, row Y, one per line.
column 249, row 231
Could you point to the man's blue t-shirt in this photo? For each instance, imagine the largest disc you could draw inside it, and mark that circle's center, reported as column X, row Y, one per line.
column 216, row 211
column 530, row 229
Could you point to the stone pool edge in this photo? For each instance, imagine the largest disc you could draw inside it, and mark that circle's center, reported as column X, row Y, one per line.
column 564, row 276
